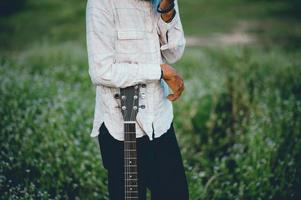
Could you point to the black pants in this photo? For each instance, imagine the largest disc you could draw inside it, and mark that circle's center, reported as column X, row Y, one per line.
column 160, row 166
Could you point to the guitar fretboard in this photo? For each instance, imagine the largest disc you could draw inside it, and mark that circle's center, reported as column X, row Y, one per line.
column 130, row 162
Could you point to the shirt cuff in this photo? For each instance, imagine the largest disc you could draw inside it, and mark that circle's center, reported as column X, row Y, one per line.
column 151, row 71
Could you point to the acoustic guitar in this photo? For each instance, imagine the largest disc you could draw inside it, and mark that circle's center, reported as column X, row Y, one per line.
column 129, row 104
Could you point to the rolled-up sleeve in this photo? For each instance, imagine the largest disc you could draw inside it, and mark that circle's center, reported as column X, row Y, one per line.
column 172, row 39
column 100, row 35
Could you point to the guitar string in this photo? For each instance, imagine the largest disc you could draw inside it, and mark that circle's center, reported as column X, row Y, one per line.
column 134, row 153
column 125, row 154
column 135, row 144
column 132, row 139
column 129, row 144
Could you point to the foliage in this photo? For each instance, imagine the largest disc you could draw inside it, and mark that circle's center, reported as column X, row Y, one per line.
column 250, row 130
column 238, row 121
column 10, row 6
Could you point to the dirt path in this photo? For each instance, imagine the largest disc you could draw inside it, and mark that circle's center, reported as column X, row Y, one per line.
column 237, row 36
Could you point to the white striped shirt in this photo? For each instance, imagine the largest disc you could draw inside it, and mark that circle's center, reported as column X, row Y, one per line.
column 126, row 42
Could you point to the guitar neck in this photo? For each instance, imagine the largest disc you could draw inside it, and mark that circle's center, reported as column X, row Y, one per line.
column 130, row 161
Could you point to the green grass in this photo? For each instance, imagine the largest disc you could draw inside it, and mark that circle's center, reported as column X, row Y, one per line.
column 238, row 121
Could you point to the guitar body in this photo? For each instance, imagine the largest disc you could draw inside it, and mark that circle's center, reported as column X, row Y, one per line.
column 129, row 98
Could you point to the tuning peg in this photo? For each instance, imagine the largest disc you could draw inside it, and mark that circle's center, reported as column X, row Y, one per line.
column 116, row 96
column 143, row 85
column 142, row 106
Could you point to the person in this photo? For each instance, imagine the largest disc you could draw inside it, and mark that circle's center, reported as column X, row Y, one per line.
column 133, row 42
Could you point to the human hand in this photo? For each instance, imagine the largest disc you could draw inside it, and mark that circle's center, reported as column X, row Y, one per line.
column 173, row 80
column 165, row 4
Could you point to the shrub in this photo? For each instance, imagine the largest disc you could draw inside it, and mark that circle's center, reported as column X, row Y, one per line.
column 10, row 6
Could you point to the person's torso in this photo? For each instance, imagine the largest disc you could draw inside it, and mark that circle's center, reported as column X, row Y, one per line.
column 136, row 41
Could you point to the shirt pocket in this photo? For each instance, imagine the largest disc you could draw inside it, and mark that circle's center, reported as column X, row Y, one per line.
column 130, row 42
column 135, row 46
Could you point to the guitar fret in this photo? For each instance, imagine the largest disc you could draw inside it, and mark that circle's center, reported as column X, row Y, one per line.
column 130, row 161
column 128, row 173
column 129, row 122
column 131, row 183
column 131, row 176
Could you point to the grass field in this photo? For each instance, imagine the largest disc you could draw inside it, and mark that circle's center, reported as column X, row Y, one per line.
column 238, row 121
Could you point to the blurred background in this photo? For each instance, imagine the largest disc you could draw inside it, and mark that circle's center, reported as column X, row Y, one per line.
column 238, row 121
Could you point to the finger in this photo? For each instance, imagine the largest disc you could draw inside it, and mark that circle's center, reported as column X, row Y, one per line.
column 178, row 93
column 174, row 96
column 177, row 89
column 180, row 83
column 171, row 97
column 180, row 89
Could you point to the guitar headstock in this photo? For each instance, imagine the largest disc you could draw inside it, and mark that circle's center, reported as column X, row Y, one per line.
column 129, row 99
